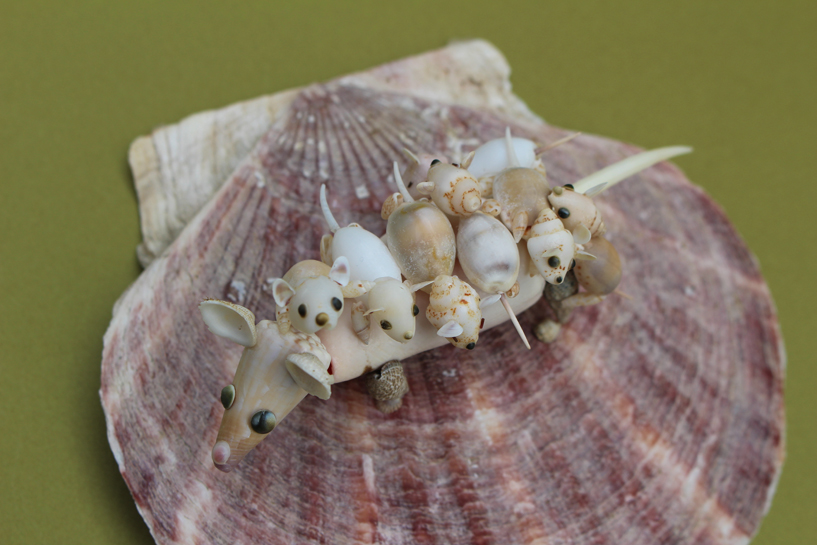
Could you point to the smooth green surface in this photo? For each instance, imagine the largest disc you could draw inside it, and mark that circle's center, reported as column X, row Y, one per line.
column 80, row 80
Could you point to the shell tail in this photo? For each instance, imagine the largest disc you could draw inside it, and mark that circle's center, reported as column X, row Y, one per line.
column 400, row 185
column 327, row 213
column 609, row 176
column 513, row 160
column 507, row 305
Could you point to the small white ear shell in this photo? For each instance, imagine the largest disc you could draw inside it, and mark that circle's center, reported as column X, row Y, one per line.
column 450, row 329
column 309, row 373
column 581, row 234
column 340, row 271
column 232, row 322
column 282, row 292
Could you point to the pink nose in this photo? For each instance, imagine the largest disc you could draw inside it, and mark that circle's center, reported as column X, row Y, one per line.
column 221, row 455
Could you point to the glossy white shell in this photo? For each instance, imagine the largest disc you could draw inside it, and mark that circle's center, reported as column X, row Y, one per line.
column 369, row 258
column 487, row 253
column 492, row 157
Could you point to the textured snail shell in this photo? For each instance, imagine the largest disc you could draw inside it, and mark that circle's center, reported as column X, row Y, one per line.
column 452, row 299
column 602, row 275
column 575, row 209
column 522, row 194
column 487, row 253
column 421, row 241
column 551, row 247
column 453, row 189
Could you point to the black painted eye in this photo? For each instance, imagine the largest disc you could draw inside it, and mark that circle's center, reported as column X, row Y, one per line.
column 564, row 213
column 302, row 310
column 263, row 422
column 470, row 346
column 416, row 310
column 569, row 186
column 554, row 261
column 435, row 161
column 558, row 279
column 337, row 303
column 572, row 263
column 228, row 396
column 385, row 325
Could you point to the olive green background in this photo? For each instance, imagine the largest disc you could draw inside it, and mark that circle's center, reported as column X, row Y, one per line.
column 80, row 80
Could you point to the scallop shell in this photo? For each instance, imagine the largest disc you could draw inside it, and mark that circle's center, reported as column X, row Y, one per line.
column 656, row 418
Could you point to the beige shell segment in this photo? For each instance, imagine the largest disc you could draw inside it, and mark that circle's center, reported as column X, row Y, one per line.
column 422, row 241
column 522, row 194
column 602, row 275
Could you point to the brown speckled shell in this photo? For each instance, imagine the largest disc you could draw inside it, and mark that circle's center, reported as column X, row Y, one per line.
column 656, row 418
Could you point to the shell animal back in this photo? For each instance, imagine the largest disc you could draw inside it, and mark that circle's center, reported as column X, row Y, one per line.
column 657, row 418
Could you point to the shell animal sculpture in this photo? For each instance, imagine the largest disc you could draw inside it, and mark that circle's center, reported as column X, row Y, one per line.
column 652, row 418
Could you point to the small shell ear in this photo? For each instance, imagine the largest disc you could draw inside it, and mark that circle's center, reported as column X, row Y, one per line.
column 411, row 156
column 417, row 287
column 490, row 300
column 581, row 234
column 581, row 255
column 450, row 329
column 282, row 292
column 229, row 321
column 340, row 271
column 467, row 161
column 307, row 371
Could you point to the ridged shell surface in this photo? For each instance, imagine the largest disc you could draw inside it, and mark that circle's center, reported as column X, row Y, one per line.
column 654, row 418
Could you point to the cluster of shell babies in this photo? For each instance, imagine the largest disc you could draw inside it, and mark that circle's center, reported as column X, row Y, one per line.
column 463, row 243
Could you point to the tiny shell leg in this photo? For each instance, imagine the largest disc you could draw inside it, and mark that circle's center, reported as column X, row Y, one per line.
column 360, row 321
column 519, row 225
column 387, row 386
column 547, row 331
column 582, row 300
column 491, row 207
column 486, row 186
column 282, row 319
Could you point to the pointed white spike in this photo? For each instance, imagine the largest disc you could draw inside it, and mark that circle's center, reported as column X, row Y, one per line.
column 595, row 190
column 490, row 300
column 327, row 214
column 372, row 311
column 467, row 161
column 507, row 305
column 513, row 160
column 581, row 255
column 632, row 165
column 581, row 234
column 411, row 156
column 559, row 142
column 421, row 285
column 400, row 185
column 450, row 329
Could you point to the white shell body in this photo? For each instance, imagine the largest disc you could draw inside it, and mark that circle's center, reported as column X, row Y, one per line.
column 492, row 157
column 421, row 241
column 487, row 253
column 454, row 299
column 549, row 239
column 369, row 258
column 397, row 303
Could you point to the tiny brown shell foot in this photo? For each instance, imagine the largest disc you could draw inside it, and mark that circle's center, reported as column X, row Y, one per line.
column 387, row 386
